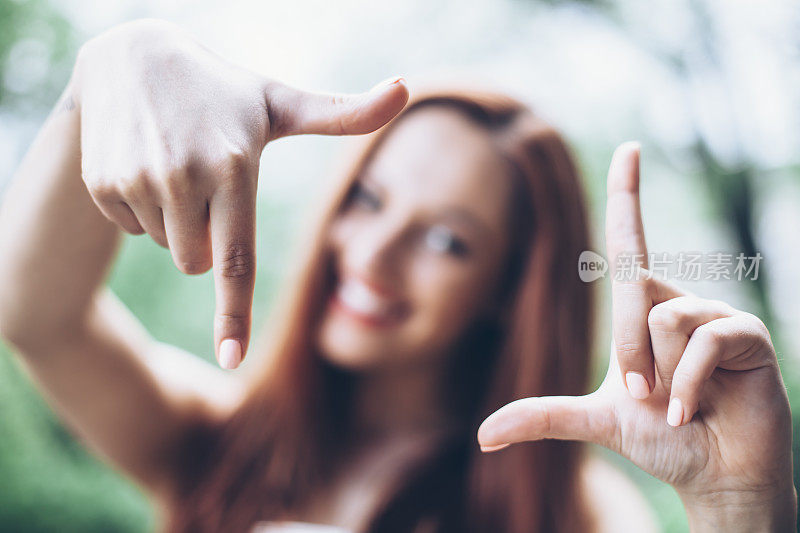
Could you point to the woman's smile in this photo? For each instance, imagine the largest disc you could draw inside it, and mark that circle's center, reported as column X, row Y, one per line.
column 437, row 290
column 367, row 305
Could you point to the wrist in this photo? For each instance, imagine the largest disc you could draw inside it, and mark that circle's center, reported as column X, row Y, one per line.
column 746, row 511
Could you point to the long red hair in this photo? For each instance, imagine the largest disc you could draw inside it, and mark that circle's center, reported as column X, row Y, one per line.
column 281, row 442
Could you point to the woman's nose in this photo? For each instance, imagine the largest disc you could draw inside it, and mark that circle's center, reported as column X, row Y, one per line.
column 377, row 248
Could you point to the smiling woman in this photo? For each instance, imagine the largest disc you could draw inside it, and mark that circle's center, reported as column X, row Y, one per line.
column 420, row 242
column 438, row 287
column 422, row 306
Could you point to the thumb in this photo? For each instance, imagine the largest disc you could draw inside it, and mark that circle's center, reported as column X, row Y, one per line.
column 295, row 112
column 583, row 418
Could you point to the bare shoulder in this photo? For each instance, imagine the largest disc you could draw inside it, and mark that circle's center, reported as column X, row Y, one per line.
column 615, row 501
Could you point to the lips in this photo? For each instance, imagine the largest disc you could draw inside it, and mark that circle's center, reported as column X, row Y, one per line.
column 363, row 303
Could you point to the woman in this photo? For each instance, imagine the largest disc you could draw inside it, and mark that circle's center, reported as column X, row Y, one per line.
column 439, row 286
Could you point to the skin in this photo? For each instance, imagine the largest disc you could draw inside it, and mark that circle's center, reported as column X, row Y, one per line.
column 730, row 462
column 426, row 226
column 714, row 423
column 435, row 168
column 188, row 181
column 57, row 227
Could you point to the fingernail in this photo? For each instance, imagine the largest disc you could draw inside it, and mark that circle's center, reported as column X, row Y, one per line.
column 631, row 145
column 675, row 412
column 389, row 82
column 230, row 354
column 637, row 385
column 495, row 447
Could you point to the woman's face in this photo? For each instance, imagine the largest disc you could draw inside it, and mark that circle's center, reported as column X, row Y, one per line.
column 419, row 245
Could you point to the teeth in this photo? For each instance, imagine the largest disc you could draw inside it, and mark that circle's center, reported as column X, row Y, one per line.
column 362, row 299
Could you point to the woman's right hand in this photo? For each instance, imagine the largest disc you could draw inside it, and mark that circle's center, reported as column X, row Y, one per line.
column 171, row 136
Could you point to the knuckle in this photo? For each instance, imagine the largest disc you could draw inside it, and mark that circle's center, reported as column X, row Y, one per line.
column 712, row 337
column 230, row 316
column 134, row 186
column 728, row 308
column 339, row 102
column 604, row 422
column 230, row 321
column 131, row 226
column 758, row 334
column 134, row 230
column 279, row 120
column 630, row 289
column 660, row 317
column 758, row 325
column 667, row 316
column 235, row 165
column 545, row 417
column 238, row 263
column 102, row 189
column 628, row 349
column 193, row 266
column 177, row 182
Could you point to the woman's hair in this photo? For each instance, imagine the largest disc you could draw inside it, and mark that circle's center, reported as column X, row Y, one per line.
column 284, row 439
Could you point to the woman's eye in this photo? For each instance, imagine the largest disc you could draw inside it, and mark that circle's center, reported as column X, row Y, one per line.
column 442, row 239
column 362, row 196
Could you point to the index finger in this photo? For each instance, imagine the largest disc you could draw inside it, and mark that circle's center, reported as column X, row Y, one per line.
column 624, row 229
column 631, row 300
column 232, row 218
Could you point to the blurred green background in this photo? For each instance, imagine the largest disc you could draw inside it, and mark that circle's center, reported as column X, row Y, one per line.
column 711, row 88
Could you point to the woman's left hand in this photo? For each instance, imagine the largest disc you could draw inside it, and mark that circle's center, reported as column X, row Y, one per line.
column 693, row 394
